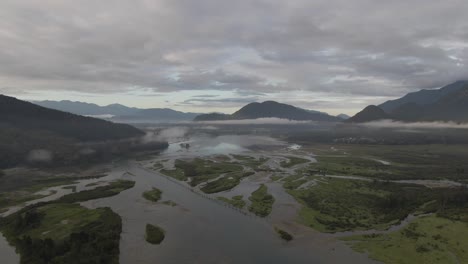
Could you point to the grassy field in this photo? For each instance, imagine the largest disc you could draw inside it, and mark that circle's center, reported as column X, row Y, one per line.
column 262, row 201
column 200, row 170
column 292, row 161
column 429, row 239
column 236, row 201
column 153, row 195
column 402, row 161
column 154, row 234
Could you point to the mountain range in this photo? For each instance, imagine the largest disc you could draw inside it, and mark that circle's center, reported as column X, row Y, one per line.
column 449, row 103
column 118, row 112
column 270, row 109
column 26, row 127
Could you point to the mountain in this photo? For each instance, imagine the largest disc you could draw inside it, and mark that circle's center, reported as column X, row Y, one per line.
column 28, row 116
column 449, row 103
column 270, row 109
column 423, row 97
column 343, row 116
column 118, row 112
column 81, row 108
column 454, row 106
column 30, row 133
column 156, row 114
column 212, row 117
column 370, row 113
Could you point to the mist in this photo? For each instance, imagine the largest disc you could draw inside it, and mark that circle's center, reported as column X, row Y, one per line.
column 40, row 155
column 258, row 121
column 415, row 125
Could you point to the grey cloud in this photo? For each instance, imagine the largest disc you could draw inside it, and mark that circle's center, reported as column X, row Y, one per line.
column 251, row 47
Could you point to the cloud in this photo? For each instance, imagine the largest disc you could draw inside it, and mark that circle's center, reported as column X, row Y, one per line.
column 360, row 47
column 258, row 121
column 40, row 155
column 415, row 125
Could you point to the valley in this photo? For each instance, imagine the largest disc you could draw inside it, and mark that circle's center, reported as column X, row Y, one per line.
column 228, row 193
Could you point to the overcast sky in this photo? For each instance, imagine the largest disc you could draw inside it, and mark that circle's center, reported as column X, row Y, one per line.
column 216, row 55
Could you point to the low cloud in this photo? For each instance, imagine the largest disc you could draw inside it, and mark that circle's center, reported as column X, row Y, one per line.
column 170, row 135
column 40, row 155
column 415, row 125
column 259, row 121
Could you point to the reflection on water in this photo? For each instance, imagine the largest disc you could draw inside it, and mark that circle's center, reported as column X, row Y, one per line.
column 199, row 230
column 205, row 145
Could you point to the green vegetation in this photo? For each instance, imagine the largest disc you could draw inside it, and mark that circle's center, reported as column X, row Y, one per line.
column 200, row 170
column 236, row 201
column 61, row 231
column 154, row 195
column 154, row 234
column 225, row 183
column 170, row 203
column 64, row 233
column 429, row 239
column 292, row 161
column 338, row 204
column 9, row 199
column 177, row 173
column 294, row 181
column 405, row 161
column 283, row 234
column 112, row 189
column 262, row 201
column 31, row 186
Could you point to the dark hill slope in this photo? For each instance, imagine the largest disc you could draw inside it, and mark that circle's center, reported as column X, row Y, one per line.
column 423, row 97
column 270, row 109
column 370, row 113
column 30, row 117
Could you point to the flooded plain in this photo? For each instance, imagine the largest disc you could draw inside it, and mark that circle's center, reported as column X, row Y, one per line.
column 199, row 228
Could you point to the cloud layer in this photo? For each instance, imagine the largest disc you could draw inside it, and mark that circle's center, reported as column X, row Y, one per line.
column 352, row 51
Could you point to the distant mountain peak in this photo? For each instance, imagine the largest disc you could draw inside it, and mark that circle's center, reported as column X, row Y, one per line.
column 271, row 109
column 370, row 113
